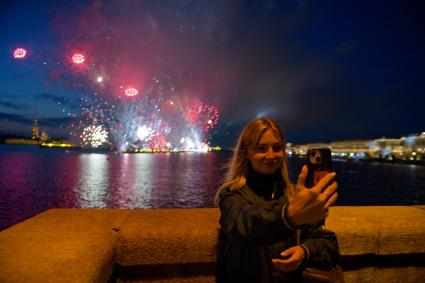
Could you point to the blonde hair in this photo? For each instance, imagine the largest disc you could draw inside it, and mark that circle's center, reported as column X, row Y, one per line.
column 237, row 168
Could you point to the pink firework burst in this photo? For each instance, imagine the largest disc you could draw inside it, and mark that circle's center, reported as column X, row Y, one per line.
column 209, row 116
column 158, row 142
column 204, row 115
column 78, row 58
column 19, row 53
column 192, row 111
column 131, row 91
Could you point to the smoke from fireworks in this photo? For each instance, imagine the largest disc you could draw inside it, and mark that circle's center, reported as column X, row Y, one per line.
column 147, row 120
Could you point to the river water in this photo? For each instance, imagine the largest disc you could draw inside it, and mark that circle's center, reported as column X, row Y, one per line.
column 33, row 180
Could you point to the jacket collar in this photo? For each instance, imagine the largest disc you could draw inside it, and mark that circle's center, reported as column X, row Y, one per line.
column 266, row 186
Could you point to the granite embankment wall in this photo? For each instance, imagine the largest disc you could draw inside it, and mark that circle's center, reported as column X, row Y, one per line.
column 378, row 244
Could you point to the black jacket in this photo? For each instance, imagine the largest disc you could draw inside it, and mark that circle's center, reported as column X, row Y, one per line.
column 253, row 231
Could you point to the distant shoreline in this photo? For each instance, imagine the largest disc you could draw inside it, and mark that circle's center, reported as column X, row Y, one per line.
column 224, row 150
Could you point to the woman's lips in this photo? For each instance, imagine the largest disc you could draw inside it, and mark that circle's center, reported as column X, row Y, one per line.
column 270, row 163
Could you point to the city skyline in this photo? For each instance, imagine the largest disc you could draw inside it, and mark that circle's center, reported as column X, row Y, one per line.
column 36, row 130
column 327, row 72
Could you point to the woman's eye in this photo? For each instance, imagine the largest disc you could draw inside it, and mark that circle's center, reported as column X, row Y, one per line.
column 264, row 148
column 261, row 148
column 277, row 147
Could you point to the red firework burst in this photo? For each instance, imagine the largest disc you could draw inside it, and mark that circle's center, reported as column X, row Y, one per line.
column 208, row 117
column 19, row 53
column 78, row 58
column 192, row 112
column 204, row 115
column 158, row 142
column 131, row 91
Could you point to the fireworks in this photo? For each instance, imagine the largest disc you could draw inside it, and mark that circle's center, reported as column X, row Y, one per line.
column 78, row 58
column 159, row 117
column 19, row 53
column 146, row 123
column 131, row 91
column 144, row 133
column 94, row 136
column 202, row 115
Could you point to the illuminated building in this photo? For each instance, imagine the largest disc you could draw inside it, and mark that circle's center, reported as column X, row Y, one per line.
column 35, row 130
column 411, row 147
column 44, row 136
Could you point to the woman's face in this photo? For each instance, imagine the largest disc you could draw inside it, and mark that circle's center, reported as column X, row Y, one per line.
column 267, row 156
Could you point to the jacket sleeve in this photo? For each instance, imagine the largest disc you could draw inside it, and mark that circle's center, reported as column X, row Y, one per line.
column 322, row 246
column 254, row 223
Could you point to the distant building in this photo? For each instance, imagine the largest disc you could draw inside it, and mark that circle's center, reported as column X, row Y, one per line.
column 350, row 148
column 410, row 147
column 44, row 136
column 35, row 130
column 414, row 144
column 386, row 148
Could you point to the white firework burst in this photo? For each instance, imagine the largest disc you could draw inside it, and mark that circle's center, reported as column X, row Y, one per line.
column 94, row 136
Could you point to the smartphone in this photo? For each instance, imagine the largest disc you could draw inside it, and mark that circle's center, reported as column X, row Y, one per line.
column 319, row 163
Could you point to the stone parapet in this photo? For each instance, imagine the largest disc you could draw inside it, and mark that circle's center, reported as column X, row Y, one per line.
column 68, row 245
column 378, row 244
column 168, row 236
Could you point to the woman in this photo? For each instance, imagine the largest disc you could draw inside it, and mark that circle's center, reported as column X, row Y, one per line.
column 261, row 211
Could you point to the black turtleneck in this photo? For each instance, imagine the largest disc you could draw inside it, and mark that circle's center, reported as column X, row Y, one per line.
column 264, row 185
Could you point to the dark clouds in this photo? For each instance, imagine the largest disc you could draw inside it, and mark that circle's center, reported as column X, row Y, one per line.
column 61, row 122
column 51, row 97
column 43, row 121
column 71, row 103
column 13, row 105
column 6, row 95
column 16, row 118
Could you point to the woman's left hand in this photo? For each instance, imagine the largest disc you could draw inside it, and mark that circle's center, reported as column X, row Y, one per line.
column 294, row 256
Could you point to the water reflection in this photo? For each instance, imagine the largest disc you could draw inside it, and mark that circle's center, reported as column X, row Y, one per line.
column 143, row 183
column 121, row 180
column 15, row 186
column 33, row 180
column 93, row 180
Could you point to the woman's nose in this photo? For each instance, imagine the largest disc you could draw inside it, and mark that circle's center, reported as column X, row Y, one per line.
column 270, row 151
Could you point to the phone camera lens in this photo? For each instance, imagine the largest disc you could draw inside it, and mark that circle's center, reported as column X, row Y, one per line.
column 318, row 159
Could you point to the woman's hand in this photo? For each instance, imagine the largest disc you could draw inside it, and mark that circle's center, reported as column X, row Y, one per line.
column 294, row 257
column 310, row 206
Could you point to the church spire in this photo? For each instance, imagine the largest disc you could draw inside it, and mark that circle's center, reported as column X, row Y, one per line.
column 35, row 129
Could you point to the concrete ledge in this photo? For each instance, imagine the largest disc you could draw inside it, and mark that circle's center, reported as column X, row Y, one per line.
column 168, row 236
column 379, row 244
column 69, row 245
column 378, row 230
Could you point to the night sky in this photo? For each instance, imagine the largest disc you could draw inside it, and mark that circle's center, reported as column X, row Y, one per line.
column 326, row 70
